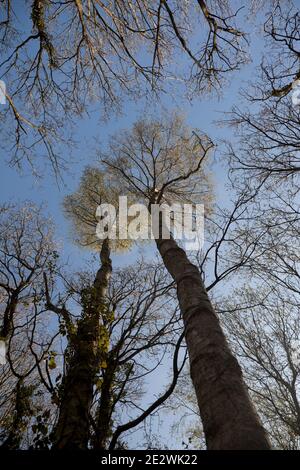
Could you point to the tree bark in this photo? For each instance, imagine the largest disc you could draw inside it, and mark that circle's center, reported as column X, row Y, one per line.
column 21, row 416
column 72, row 429
column 105, row 408
column 228, row 416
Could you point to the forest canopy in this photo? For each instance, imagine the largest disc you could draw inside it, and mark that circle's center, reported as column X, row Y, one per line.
column 171, row 321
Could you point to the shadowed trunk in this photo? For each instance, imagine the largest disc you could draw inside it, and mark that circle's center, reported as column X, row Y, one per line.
column 8, row 314
column 21, row 416
column 72, row 429
column 105, row 408
column 229, row 419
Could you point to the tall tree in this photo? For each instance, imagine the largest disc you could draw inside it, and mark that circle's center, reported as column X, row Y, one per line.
column 87, row 343
column 140, row 329
column 27, row 250
column 163, row 161
column 85, row 351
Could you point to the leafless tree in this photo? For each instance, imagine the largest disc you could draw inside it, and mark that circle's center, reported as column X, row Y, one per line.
column 138, row 330
column 64, row 382
column 73, row 52
column 27, row 250
column 264, row 329
column 269, row 125
column 177, row 154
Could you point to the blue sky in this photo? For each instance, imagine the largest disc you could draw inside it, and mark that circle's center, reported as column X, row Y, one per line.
column 201, row 113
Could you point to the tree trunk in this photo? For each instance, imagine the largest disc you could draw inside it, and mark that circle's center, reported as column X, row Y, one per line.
column 105, row 408
column 72, row 429
column 22, row 413
column 228, row 416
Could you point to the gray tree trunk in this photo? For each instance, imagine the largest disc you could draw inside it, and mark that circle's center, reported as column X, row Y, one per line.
column 228, row 416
